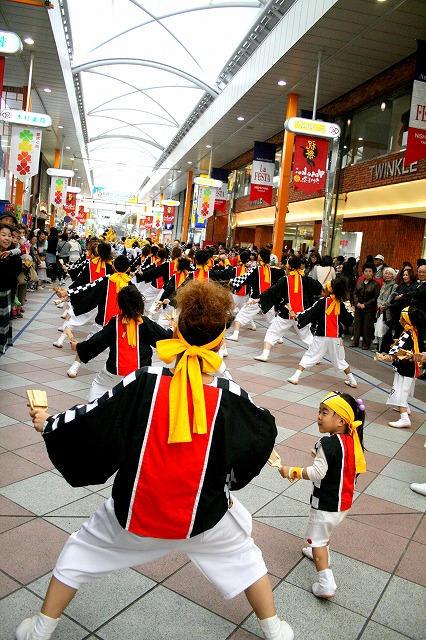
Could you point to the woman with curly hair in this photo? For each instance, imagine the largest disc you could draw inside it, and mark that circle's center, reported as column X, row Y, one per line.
column 180, row 441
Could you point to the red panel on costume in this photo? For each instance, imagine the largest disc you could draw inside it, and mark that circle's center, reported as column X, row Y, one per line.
column 243, row 290
column 331, row 322
column 111, row 305
column 93, row 273
column 175, row 470
column 263, row 286
column 295, row 299
column 127, row 356
column 348, row 471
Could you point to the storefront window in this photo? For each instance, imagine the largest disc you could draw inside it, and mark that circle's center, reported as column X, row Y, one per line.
column 377, row 130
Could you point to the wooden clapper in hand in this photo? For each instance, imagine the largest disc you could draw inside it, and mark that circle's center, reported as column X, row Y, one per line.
column 37, row 399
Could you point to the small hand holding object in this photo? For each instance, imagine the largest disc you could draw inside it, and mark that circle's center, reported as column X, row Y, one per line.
column 252, row 301
column 37, row 401
column 384, row 357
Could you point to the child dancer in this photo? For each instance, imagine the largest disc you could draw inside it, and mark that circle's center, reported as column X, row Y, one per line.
column 339, row 459
column 328, row 317
column 413, row 322
column 176, row 438
column 130, row 337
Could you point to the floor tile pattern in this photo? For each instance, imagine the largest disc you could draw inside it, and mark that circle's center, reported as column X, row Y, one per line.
column 378, row 551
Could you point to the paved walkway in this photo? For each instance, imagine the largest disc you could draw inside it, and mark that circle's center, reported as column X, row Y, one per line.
column 378, row 551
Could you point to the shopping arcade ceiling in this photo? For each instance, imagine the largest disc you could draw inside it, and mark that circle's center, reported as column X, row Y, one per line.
column 108, row 132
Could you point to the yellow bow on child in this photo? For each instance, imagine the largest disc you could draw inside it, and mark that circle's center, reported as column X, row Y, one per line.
column 131, row 329
column 99, row 263
column 202, row 269
column 266, row 272
column 188, row 368
column 335, row 305
column 414, row 333
column 295, row 273
column 345, row 411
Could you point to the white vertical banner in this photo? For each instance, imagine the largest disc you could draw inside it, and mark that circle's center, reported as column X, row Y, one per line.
column 58, row 191
column 24, row 151
column 205, row 201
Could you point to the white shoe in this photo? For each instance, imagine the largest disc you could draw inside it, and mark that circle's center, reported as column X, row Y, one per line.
column 418, row 488
column 400, row 424
column 276, row 629
column 293, row 380
column 60, row 305
column 350, row 384
column 253, row 325
column 326, row 586
column 64, row 314
column 73, row 370
column 280, row 341
column 62, row 327
column 261, row 358
column 232, row 338
column 225, row 353
column 39, row 627
column 58, row 343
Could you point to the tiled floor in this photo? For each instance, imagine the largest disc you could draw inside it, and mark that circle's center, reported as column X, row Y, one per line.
column 378, row 552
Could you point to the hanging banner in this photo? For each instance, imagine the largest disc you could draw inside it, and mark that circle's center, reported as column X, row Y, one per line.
column 25, row 148
column 149, row 221
column 70, row 205
column 81, row 215
column 200, row 223
column 416, row 141
column 158, row 219
column 262, row 175
column 169, row 216
column 222, row 192
column 58, row 191
column 310, row 163
column 205, row 201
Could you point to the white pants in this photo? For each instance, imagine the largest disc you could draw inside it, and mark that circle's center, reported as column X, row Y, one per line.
column 247, row 313
column 104, row 381
column 226, row 554
column 238, row 302
column 402, row 388
column 279, row 326
column 82, row 319
column 319, row 347
column 321, row 525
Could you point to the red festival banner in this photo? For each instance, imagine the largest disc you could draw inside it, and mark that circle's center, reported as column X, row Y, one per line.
column 70, row 205
column 169, row 216
column 310, row 163
column 416, row 140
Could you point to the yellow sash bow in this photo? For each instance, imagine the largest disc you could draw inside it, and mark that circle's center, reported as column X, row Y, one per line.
column 266, row 272
column 335, row 305
column 188, row 367
column 295, row 272
column 202, row 270
column 345, row 411
column 131, row 329
column 99, row 262
column 180, row 277
column 414, row 333
column 120, row 279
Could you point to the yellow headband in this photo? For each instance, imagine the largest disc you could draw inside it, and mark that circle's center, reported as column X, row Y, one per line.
column 188, row 367
column 343, row 409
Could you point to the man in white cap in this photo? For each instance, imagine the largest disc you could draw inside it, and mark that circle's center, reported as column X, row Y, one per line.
column 379, row 263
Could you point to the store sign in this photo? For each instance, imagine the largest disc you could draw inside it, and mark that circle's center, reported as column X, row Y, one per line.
column 26, row 118
column 62, row 173
column 383, row 170
column 25, row 148
column 309, row 164
column 9, row 43
column 222, row 192
column 208, row 182
column 312, row 127
column 416, row 140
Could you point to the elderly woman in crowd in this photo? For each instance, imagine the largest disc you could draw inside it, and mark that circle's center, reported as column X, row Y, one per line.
column 384, row 309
